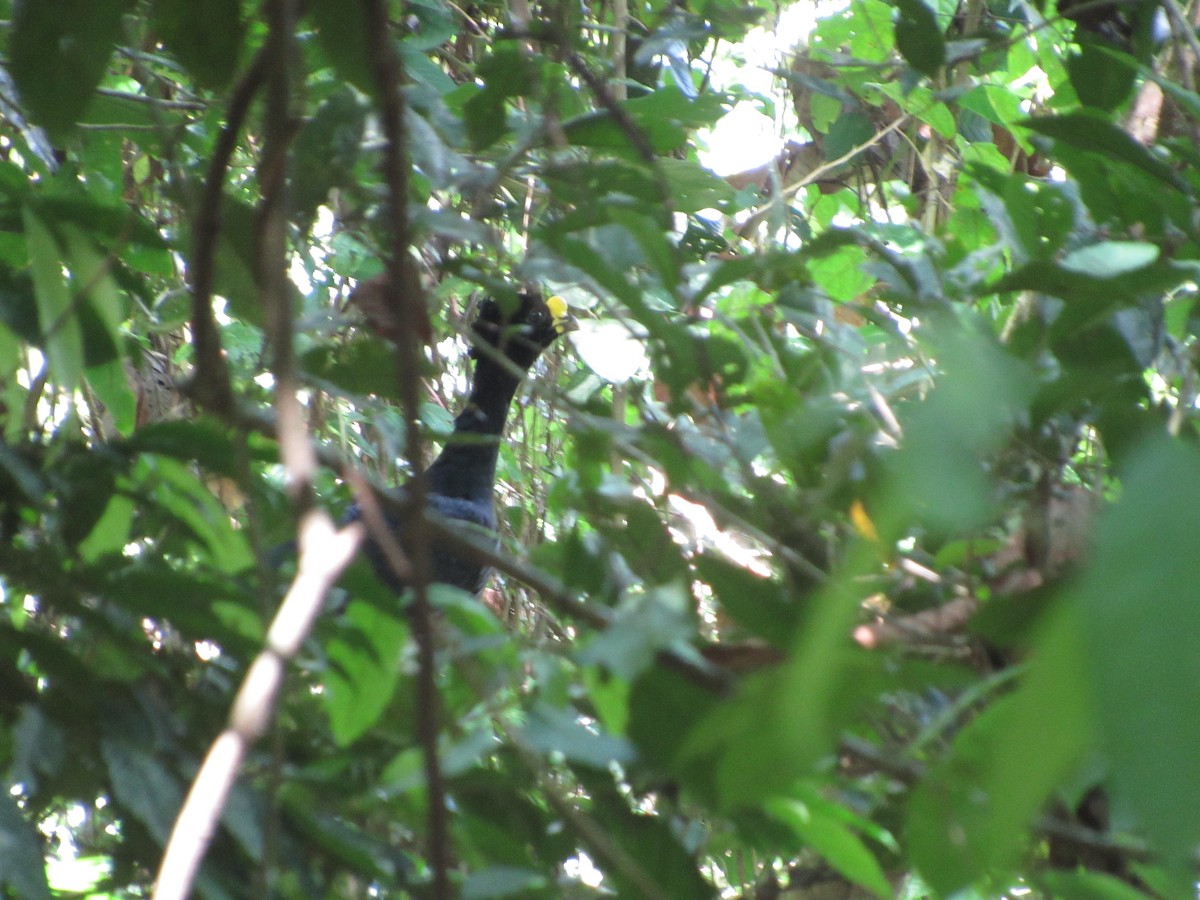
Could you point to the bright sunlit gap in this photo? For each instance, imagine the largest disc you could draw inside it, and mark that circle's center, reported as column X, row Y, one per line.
column 747, row 137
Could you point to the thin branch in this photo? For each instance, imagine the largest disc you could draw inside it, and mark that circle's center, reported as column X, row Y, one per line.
column 1182, row 29
column 409, row 306
column 191, row 105
column 820, row 171
column 211, row 386
column 378, row 529
column 460, row 541
column 618, row 47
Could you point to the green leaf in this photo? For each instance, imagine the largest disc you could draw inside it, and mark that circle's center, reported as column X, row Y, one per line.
column 651, row 237
column 694, row 187
column 206, row 37
column 56, row 312
column 1036, row 217
column 503, row 881
column 843, row 275
column 191, row 502
column 142, row 785
column 761, row 605
column 852, row 129
column 21, row 474
column 1110, row 258
column 580, row 183
column 919, row 37
column 201, row 440
column 362, row 367
column 23, row 870
column 649, row 623
column 365, row 672
column 1100, row 78
column 938, row 477
column 815, row 827
column 57, row 56
column 111, row 385
column 982, row 799
column 18, row 304
column 236, row 278
column 111, row 531
column 650, row 841
column 1094, row 133
column 1103, row 293
column 663, row 119
column 342, row 33
column 202, row 605
column 435, row 24
column 39, row 748
column 550, row 730
column 1137, row 615
column 326, row 151
column 1084, row 883
column 588, row 261
column 106, row 306
column 508, row 72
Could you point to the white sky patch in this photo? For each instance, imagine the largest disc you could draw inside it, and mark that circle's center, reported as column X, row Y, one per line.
column 322, row 230
column 746, row 137
column 610, row 350
column 583, row 869
column 743, row 139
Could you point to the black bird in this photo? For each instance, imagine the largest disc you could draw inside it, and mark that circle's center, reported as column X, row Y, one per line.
column 506, row 342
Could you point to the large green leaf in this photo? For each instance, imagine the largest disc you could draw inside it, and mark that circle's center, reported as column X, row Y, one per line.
column 939, row 478
column 919, row 37
column 58, row 54
column 191, row 503
column 342, row 32
column 326, row 151
column 508, row 72
column 1101, row 78
column 142, row 784
column 59, row 323
column 206, row 37
column 22, row 871
column 694, row 187
column 366, row 669
column 360, row 367
column 551, row 730
column 1137, row 613
column 819, row 826
column 1002, row 768
column 1094, row 133
column 1109, row 259
column 662, row 118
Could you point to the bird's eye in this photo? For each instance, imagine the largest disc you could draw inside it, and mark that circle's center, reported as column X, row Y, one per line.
column 538, row 318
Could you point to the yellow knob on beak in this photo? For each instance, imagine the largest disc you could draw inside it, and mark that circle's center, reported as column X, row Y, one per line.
column 561, row 314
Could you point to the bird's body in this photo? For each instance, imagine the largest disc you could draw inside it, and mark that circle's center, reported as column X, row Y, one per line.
column 460, row 483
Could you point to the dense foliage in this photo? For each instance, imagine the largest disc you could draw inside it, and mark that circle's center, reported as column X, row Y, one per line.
column 851, row 543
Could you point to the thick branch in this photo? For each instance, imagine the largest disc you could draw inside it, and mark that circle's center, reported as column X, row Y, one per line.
column 324, row 553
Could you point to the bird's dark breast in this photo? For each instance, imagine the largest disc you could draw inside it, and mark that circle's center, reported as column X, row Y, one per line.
column 448, row 567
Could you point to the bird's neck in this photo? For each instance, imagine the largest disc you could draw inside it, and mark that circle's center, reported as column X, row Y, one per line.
column 466, row 467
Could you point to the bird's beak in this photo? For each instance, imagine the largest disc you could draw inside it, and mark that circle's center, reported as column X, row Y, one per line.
column 561, row 314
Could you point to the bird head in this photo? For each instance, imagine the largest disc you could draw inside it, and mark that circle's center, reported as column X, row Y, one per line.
column 521, row 327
